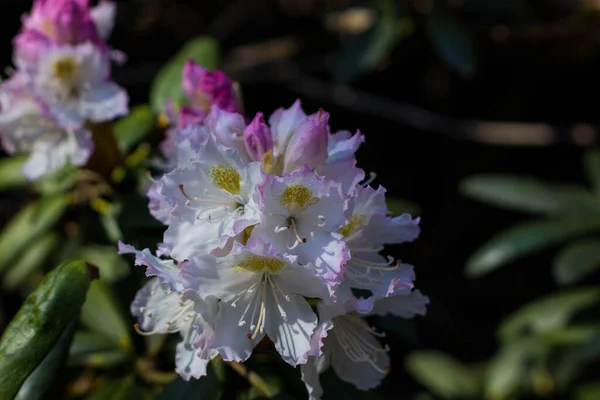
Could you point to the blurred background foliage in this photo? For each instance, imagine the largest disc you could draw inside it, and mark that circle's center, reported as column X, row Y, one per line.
column 480, row 117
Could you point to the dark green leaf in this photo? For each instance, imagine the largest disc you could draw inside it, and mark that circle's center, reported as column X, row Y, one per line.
column 28, row 225
column 576, row 261
column 452, row 43
column 101, row 314
column 529, row 195
column 11, row 176
column 97, row 350
column 507, row 370
column 58, row 181
column 123, row 389
column 370, row 46
column 206, row 388
column 111, row 265
column 570, row 335
column 40, row 322
column 589, row 351
column 30, row 261
column 547, row 314
column 44, row 376
column 591, row 163
column 131, row 129
column 588, row 391
column 524, row 239
column 442, row 374
column 167, row 83
column 399, row 206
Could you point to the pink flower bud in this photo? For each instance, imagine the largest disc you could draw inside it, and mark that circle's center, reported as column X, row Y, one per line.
column 308, row 144
column 59, row 22
column 205, row 88
column 257, row 138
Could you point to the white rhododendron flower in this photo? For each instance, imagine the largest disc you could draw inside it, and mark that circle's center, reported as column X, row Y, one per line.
column 272, row 235
column 61, row 86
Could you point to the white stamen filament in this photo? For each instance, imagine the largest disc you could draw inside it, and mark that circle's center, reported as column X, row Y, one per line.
column 390, row 265
column 167, row 328
column 209, row 201
column 299, row 239
column 258, row 303
column 372, row 177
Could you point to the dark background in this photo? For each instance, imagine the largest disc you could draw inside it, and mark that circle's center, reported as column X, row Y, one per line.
column 545, row 71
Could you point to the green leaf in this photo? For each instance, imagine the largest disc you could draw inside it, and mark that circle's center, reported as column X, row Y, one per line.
column 589, row 351
column 122, row 389
column 40, row 322
column 101, row 314
column 442, row 375
column 30, row 261
column 524, row 239
column 206, row 388
column 576, row 261
column 95, row 350
column 529, row 195
column 44, row 376
column 11, row 176
column 452, row 43
column 167, row 83
column 591, row 163
column 570, row 335
column 131, row 129
column 28, row 225
column 400, row 206
column 588, row 391
column 507, row 370
column 111, row 265
column 547, row 314
column 369, row 47
column 58, row 181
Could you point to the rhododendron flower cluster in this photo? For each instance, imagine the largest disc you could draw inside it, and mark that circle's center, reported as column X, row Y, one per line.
column 61, row 84
column 272, row 233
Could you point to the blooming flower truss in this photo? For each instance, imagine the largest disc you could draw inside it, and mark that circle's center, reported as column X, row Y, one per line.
column 61, row 86
column 270, row 229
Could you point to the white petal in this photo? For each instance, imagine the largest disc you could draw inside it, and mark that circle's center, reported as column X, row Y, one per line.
column 343, row 172
column 405, row 306
column 216, row 277
column 230, row 339
column 364, row 375
column 187, row 363
column 186, row 239
column 303, row 281
column 310, row 377
column 49, row 157
column 158, row 206
column 166, row 270
column 283, row 123
column 292, row 336
column 104, row 17
column 342, row 145
column 160, row 310
column 104, row 102
column 400, row 229
column 328, row 254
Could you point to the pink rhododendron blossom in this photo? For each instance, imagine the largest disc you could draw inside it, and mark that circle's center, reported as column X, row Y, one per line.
column 61, row 85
